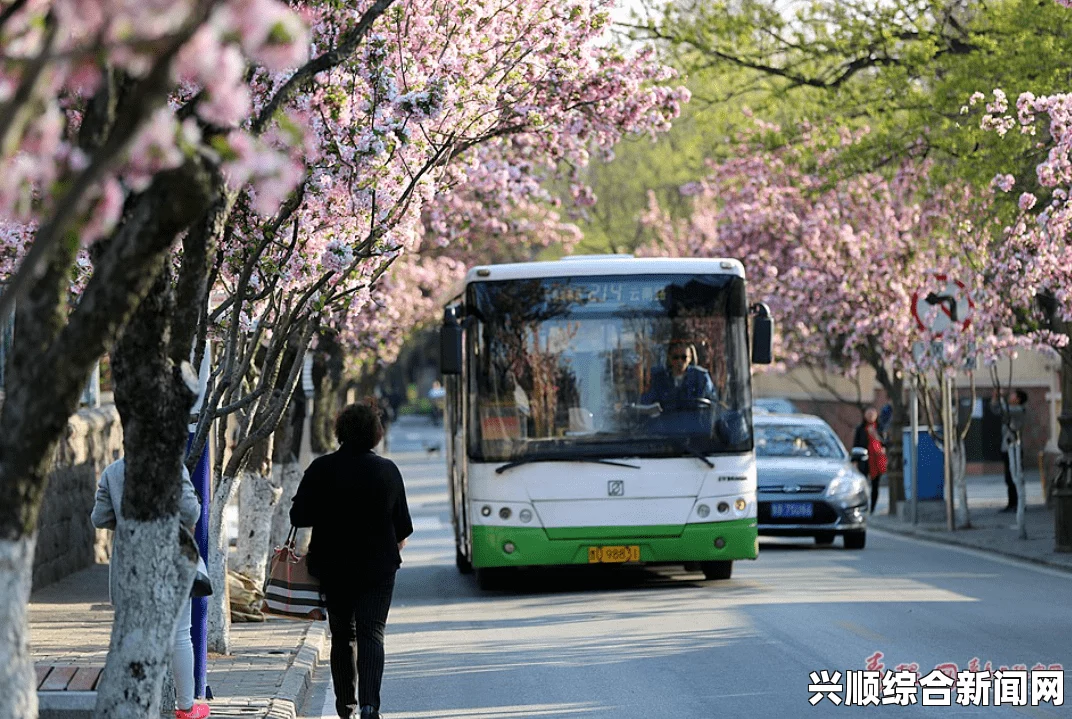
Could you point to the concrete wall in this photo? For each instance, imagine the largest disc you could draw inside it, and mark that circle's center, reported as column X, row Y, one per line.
column 66, row 539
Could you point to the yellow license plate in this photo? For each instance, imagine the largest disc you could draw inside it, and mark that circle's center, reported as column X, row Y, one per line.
column 597, row 555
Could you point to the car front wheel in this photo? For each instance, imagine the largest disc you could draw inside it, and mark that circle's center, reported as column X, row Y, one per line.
column 855, row 540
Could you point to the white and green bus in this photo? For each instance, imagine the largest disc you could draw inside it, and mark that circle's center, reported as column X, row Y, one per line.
column 598, row 411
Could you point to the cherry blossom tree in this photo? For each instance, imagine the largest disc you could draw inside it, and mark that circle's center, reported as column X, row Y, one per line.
column 97, row 163
column 839, row 262
column 1032, row 264
column 404, row 116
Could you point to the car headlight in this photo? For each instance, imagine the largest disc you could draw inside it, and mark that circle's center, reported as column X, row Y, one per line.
column 846, row 485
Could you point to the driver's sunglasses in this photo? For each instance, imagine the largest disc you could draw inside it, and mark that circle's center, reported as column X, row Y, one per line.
column 679, row 357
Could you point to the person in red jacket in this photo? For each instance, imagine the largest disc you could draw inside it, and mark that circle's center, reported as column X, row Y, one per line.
column 868, row 436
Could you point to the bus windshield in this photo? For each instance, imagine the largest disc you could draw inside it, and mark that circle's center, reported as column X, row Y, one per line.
column 602, row 366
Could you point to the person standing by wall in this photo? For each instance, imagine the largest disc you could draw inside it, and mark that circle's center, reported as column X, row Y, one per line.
column 1012, row 412
column 355, row 501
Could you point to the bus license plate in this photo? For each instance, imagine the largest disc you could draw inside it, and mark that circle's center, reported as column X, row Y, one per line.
column 799, row 510
column 597, row 555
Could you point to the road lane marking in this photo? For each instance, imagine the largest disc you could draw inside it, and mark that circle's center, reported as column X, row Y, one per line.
column 862, row 631
column 980, row 554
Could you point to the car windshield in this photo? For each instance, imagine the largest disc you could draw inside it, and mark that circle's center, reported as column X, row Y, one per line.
column 625, row 366
column 778, row 405
column 795, row 440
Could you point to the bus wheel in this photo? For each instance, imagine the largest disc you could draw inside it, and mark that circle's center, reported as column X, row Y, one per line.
column 462, row 563
column 721, row 569
column 490, row 578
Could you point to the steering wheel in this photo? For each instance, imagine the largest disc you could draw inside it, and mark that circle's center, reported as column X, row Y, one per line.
column 690, row 404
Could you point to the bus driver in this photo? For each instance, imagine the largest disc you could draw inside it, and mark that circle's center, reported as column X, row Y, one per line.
column 677, row 386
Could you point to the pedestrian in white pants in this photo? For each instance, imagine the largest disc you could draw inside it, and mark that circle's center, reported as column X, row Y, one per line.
column 105, row 514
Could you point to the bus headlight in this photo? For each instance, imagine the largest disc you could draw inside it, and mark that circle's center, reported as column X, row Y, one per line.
column 740, row 504
column 723, row 507
column 525, row 515
column 485, row 511
column 702, row 511
column 504, row 513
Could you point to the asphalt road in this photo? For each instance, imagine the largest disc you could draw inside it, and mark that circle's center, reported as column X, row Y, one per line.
column 640, row 643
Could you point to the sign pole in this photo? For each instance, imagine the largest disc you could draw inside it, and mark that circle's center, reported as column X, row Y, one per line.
column 947, row 445
column 946, row 305
column 913, row 449
column 202, row 479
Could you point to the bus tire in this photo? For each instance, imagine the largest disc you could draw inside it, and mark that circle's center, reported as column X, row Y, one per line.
column 721, row 569
column 856, row 540
column 462, row 562
column 490, row 578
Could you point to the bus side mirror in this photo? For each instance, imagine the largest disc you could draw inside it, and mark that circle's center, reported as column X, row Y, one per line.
column 762, row 335
column 450, row 343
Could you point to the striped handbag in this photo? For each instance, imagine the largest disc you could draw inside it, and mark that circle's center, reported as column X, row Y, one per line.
column 290, row 590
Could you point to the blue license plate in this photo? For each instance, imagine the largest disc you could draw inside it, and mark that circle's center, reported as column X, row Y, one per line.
column 794, row 510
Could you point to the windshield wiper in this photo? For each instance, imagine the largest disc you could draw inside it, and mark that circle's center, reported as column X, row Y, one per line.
column 529, row 460
column 686, row 447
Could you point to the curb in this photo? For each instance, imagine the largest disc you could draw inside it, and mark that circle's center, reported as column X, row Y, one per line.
column 952, row 542
column 66, row 705
column 298, row 678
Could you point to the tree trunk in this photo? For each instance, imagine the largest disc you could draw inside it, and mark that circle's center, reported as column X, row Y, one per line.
column 959, row 466
column 894, row 387
column 290, row 477
column 154, row 558
column 327, row 378
column 219, row 614
column 152, row 579
column 258, row 495
column 17, row 696
column 287, row 464
column 51, row 355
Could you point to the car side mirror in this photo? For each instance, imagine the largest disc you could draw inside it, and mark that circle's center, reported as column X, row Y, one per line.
column 762, row 334
column 859, row 454
column 450, row 343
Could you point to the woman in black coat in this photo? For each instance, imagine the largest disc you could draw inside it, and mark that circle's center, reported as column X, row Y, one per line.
column 355, row 502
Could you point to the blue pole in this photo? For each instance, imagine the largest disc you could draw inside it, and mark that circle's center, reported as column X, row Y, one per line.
column 199, row 621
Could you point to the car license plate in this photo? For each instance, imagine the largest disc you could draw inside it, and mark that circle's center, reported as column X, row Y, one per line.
column 597, row 555
column 787, row 510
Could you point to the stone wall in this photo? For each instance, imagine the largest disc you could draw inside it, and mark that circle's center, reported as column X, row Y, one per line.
column 66, row 538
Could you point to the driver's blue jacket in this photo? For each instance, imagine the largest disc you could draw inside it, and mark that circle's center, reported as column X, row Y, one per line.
column 696, row 384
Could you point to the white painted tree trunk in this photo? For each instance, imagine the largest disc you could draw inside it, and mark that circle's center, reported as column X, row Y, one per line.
column 18, row 695
column 151, row 578
column 219, row 610
column 959, row 467
column 258, row 497
column 290, row 478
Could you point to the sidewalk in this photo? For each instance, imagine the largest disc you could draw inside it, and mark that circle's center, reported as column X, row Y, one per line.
column 991, row 530
column 268, row 674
